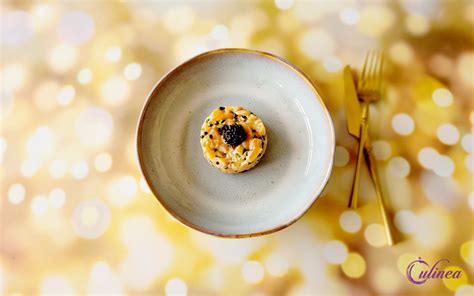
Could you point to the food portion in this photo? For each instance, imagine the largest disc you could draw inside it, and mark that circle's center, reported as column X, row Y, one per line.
column 233, row 139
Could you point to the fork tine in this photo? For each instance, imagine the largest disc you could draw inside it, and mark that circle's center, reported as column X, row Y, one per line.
column 363, row 77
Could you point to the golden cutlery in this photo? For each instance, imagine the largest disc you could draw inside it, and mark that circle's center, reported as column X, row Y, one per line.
column 368, row 90
column 353, row 114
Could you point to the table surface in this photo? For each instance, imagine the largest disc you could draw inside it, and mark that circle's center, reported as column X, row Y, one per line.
column 76, row 216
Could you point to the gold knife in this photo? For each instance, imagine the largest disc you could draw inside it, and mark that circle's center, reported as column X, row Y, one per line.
column 354, row 115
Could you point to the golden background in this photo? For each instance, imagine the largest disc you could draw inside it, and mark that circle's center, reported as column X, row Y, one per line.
column 77, row 217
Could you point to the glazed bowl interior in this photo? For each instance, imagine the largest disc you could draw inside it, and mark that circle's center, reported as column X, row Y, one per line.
column 272, row 195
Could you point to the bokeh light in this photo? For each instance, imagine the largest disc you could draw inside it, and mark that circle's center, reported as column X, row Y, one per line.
column 91, row 218
column 252, row 272
column 350, row 221
column 354, row 266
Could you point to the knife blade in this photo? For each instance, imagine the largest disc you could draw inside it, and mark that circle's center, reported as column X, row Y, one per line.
column 351, row 103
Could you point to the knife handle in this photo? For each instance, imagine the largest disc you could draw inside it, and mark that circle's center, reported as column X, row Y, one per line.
column 363, row 136
column 380, row 197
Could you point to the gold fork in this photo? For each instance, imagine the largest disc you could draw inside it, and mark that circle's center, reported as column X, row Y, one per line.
column 368, row 90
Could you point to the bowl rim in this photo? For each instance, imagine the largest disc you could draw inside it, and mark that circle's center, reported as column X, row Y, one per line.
column 177, row 70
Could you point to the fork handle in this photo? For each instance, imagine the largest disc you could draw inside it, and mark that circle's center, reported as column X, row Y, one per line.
column 363, row 136
column 380, row 197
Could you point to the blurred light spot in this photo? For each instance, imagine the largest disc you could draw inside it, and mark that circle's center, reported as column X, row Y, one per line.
column 467, row 143
column 115, row 91
column 6, row 102
column 219, row 32
column 350, row 221
column 375, row 20
column 62, row 58
column 39, row 205
column 354, row 266
column 150, row 254
column 341, row 156
column 453, row 283
column 57, row 168
column 103, row 281
column 427, row 157
column 16, row 193
column 16, row 27
column 178, row 19
column 443, row 166
column 443, row 191
column 94, row 127
column 464, row 67
column 349, row 16
column 403, row 124
column 75, row 27
column 57, row 198
column 284, row 4
column 401, row 53
column 468, row 162
column 144, row 186
column 41, row 144
column 113, row 54
column 467, row 252
column 56, row 285
column 465, row 290
column 91, row 218
column 442, row 97
column 381, row 149
column 332, row 64
column 43, row 15
column 417, row 24
column 277, row 264
column 122, row 190
column 448, row 134
column 66, row 95
column 470, row 200
column 29, row 167
column 406, row 221
column 176, row 287
column 252, row 272
column 132, row 71
column 79, row 169
column 84, row 76
column 316, row 44
column 436, row 230
column 375, row 235
column 45, row 95
column 398, row 167
column 335, row 252
column 103, row 162
column 13, row 76
column 471, row 117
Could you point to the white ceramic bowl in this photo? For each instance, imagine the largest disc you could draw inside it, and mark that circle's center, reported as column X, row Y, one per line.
column 267, row 198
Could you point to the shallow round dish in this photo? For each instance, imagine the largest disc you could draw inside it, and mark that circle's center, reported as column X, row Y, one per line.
column 291, row 174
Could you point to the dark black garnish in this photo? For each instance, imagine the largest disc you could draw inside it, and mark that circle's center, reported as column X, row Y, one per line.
column 233, row 134
column 215, row 150
column 221, row 108
column 217, row 162
column 202, row 137
column 244, row 117
column 205, row 133
column 210, row 136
